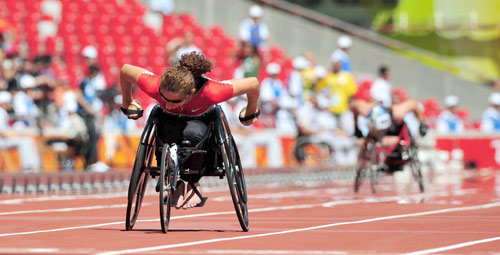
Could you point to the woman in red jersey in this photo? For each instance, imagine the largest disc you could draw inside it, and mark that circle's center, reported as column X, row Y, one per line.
column 186, row 97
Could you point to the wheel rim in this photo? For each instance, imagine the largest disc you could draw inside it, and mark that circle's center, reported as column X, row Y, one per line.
column 166, row 189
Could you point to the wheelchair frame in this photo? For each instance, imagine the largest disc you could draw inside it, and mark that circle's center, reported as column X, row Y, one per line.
column 218, row 140
column 373, row 154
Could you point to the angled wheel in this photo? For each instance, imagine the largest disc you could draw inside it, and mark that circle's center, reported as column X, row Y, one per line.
column 416, row 167
column 139, row 177
column 361, row 168
column 367, row 166
column 234, row 175
column 166, row 188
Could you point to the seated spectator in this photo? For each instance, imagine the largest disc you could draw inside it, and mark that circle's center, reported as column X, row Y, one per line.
column 25, row 110
column 315, row 125
column 344, row 43
column 448, row 122
column 180, row 46
column 253, row 30
column 491, row 117
column 271, row 92
column 250, row 65
column 26, row 146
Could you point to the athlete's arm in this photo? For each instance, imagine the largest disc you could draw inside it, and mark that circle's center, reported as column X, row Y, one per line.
column 250, row 87
column 129, row 75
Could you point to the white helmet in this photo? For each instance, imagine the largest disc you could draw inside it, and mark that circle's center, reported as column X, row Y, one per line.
column 451, row 101
column 380, row 119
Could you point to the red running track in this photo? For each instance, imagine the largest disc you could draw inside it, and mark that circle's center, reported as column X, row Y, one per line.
column 458, row 214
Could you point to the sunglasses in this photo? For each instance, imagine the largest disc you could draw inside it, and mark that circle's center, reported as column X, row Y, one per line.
column 173, row 101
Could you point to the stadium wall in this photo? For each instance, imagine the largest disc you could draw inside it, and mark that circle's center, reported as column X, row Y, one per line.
column 296, row 35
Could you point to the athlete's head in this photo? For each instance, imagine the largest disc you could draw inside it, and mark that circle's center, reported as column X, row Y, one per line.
column 178, row 82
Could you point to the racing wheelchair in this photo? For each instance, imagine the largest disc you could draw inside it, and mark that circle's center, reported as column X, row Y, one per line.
column 375, row 158
column 221, row 159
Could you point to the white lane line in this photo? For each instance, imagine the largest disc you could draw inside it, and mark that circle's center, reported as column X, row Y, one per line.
column 264, row 209
column 279, row 252
column 454, row 246
column 29, row 250
column 162, row 247
column 69, row 209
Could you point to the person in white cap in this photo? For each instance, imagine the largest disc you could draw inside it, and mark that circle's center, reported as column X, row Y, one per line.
column 296, row 81
column 25, row 145
column 344, row 43
column 491, row 117
column 252, row 29
column 25, row 110
column 448, row 122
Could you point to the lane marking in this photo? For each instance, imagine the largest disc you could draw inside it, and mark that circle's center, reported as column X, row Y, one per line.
column 163, row 247
column 453, row 247
column 29, row 250
column 264, row 209
column 68, row 209
column 300, row 252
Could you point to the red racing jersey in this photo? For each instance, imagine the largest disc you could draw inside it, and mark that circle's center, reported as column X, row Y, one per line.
column 209, row 94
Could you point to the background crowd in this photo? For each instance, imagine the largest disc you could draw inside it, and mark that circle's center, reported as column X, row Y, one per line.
column 40, row 97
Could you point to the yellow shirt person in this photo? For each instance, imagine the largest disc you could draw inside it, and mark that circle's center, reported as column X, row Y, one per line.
column 339, row 87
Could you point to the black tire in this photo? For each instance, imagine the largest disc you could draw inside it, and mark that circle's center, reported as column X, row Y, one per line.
column 234, row 176
column 416, row 167
column 139, row 177
column 367, row 166
column 166, row 189
column 360, row 168
column 136, row 188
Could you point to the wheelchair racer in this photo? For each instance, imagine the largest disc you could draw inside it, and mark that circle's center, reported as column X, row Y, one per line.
column 386, row 122
column 186, row 97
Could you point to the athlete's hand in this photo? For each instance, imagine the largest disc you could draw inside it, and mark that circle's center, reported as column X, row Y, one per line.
column 249, row 119
column 133, row 110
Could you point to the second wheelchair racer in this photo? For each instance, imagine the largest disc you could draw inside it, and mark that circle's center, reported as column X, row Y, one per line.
column 186, row 96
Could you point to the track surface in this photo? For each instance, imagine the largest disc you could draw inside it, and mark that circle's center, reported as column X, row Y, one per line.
column 458, row 214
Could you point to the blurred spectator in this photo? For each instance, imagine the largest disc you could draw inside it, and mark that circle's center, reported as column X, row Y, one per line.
column 344, row 43
column 271, row 92
column 116, row 124
column 252, row 30
column 448, row 122
column 90, row 113
column 90, row 56
column 179, row 46
column 380, row 90
column 251, row 63
column 165, row 7
column 491, row 117
column 314, row 125
column 74, row 130
column 28, row 153
column 296, row 81
column 25, row 110
column 339, row 86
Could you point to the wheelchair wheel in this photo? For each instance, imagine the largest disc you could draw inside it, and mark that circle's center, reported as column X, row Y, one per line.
column 416, row 167
column 166, row 188
column 137, row 187
column 139, row 177
column 234, row 176
column 367, row 166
